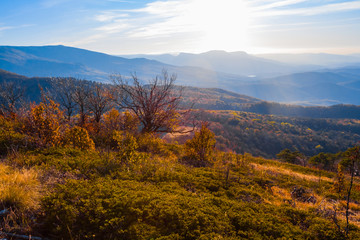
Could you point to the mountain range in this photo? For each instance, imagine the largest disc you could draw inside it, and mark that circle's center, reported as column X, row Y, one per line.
column 239, row 63
column 316, row 59
column 300, row 81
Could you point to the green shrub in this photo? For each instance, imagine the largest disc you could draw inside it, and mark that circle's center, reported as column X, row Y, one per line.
column 114, row 209
column 78, row 137
column 199, row 149
column 151, row 143
column 10, row 139
column 127, row 148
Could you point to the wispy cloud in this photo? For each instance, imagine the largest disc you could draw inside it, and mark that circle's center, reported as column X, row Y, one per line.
column 3, row 28
column 265, row 5
column 108, row 16
column 156, row 18
column 215, row 21
column 317, row 10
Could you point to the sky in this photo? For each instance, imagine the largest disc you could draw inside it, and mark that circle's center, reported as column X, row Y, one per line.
column 171, row 26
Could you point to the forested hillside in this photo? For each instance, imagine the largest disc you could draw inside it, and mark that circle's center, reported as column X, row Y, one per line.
column 267, row 135
column 90, row 171
column 208, row 99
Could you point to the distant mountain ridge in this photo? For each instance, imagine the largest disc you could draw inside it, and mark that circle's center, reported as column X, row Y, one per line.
column 46, row 61
column 319, row 59
column 239, row 63
column 323, row 86
column 53, row 61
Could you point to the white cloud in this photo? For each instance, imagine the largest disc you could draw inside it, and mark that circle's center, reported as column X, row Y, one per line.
column 109, row 16
column 276, row 4
column 203, row 25
column 324, row 9
column 5, row 28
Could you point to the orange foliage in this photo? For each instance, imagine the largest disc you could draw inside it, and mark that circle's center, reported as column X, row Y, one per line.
column 43, row 123
column 114, row 120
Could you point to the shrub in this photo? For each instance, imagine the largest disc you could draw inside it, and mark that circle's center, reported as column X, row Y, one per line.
column 127, row 146
column 199, row 149
column 43, row 123
column 10, row 139
column 114, row 209
column 151, row 143
column 114, row 120
column 78, row 137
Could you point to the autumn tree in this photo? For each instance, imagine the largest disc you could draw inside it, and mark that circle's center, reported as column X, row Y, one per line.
column 155, row 104
column 10, row 96
column 199, row 149
column 123, row 121
column 44, row 123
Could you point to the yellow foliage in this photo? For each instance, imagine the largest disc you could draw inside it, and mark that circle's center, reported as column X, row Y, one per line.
column 114, row 120
column 286, row 124
column 79, row 138
column 200, row 148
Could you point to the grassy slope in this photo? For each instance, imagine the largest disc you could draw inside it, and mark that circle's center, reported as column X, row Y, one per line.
column 88, row 195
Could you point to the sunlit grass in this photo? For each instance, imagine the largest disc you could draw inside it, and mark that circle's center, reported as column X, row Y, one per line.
column 19, row 189
column 280, row 170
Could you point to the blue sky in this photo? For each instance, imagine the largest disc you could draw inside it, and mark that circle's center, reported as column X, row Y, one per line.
column 130, row 27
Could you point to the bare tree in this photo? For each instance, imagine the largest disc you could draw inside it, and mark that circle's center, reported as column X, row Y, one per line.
column 156, row 104
column 99, row 100
column 81, row 95
column 63, row 90
column 351, row 162
column 10, row 96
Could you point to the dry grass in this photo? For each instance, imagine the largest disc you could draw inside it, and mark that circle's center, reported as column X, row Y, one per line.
column 326, row 207
column 278, row 170
column 19, row 189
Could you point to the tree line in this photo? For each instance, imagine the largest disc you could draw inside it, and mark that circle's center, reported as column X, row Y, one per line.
column 154, row 103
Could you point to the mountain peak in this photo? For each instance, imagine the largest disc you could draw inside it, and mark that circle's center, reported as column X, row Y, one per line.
column 223, row 53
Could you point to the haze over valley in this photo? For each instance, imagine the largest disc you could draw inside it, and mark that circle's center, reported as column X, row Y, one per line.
column 324, row 84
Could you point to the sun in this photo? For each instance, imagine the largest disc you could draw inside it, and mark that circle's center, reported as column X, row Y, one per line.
column 222, row 24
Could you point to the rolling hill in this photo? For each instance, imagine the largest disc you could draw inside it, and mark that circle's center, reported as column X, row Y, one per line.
column 212, row 99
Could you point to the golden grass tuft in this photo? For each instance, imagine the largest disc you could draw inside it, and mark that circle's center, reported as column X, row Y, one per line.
column 19, row 189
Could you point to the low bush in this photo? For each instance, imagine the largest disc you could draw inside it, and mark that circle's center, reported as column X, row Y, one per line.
column 78, row 137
